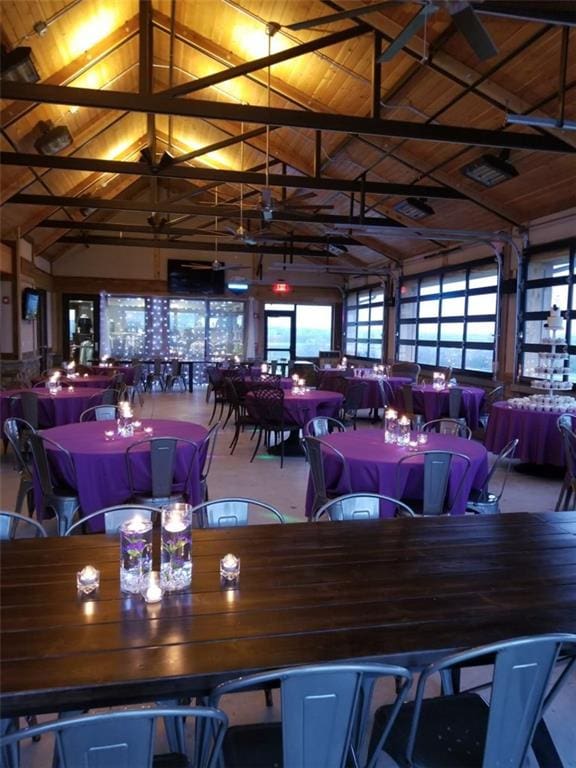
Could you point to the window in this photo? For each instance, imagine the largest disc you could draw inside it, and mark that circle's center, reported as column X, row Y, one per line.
column 449, row 319
column 549, row 278
column 298, row 330
column 364, row 320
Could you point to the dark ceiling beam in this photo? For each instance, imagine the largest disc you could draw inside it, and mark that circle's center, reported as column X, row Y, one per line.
column 267, row 61
column 98, row 226
column 166, row 105
column 226, row 176
column 527, row 11
column 229, row 142
column 194, row 210
column 181, row 245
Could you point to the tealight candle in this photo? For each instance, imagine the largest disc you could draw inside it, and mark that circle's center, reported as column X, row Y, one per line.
column 136, row 424
column 152, row 590
column 85, row 375
column 413, row 445
column 148, row 430
column 109, row 434
column 422, row 438
column 230, row 569
column 70, row 389
column 88, row 579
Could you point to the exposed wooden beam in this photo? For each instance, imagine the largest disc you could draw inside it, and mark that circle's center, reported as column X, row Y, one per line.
column 527, row 11
column 225, row 176
column 54, row 94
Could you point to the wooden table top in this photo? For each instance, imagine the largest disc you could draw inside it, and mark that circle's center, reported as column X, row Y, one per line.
column 400, row 590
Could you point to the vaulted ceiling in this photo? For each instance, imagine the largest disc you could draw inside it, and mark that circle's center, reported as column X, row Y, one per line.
column 288, row 128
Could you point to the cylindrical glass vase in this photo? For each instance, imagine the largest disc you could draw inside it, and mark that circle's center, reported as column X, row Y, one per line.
column 135, row 553
column 176, row 547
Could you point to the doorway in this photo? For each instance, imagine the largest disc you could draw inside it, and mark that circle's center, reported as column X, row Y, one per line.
column 280, row 334
column 81, row 324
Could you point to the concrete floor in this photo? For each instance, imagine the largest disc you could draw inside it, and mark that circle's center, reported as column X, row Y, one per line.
column 285, row 489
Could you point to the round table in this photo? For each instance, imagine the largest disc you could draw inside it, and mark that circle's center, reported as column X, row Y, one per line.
column 372, row 464
column 433, row 403
column 110, row 370
column 87, row 380
column 101, row 475
column 539, row 438
column 64, row 407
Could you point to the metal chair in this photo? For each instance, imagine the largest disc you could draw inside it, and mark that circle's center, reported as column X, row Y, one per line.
column 216, row 385
column 323, row 425
column 405, row 369
column 437, row 468
column 486, row 501
column 110, row 396
column 315, row 450
column 206, row 453
column 114, row 517
column 155, row 376
column 455, row 427
column 569, row 482
column 352, row 401
column 17, row 432
column 120, row 738
column 56, row 495
column 156, row 467
column 361, row 506
column 29, row 406
column 100, row 413
column 386, row 393
column 232, row 512
column 463, row 729
column 454, row 402
column 236, row 390
column 325, row 711
column 175, row 376
column 266, row 406
column 408, row 400
column 11, row 521
column 493, row 396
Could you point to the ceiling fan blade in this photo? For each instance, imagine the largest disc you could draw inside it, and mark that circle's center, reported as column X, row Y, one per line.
column 409, row 30
column 468, row 23
column 332, row 17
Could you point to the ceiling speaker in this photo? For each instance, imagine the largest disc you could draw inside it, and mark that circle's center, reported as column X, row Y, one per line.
column 53, row 140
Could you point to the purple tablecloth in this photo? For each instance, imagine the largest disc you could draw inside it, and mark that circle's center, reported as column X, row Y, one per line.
column 433, row 403
column 302, row 407
column 101, row 476
column 371, row 397
column 87, row 380
column 110, row 370
column 540, row 439
column 372, row 465
column 53, row 410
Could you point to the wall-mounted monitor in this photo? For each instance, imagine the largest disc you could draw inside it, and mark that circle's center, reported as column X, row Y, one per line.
column 195, row 278
column 30, row 304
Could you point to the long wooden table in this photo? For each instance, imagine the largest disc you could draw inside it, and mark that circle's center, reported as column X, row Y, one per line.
column 398, row 590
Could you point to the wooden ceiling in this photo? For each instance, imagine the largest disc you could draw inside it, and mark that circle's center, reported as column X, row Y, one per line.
column 183, row 111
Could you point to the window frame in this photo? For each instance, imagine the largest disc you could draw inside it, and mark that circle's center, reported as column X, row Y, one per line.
column 368, row 324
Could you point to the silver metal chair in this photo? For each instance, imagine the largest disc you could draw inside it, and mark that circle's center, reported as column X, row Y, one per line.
column 410, row 370
column 11, row 522
column 233, row 512
column 408, row 400
column 486, row 501
column 455, row 427
column 315, row 450
column 325, row 711
column 29, row 407
column 493, row 396
column 113, row 517
column 462, row 729
column 454, row 402
column 160, row 460
column 569, row 483
column 206, row 453
column 323, row 425
column 156, row 375
column 17, row 432
column 120, row 738
column 361, row 506
column 175, row 376
column 56, row 495
column 100, row 413
column 437, row 468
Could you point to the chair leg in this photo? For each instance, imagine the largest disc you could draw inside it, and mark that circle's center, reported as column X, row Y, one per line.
column 22, row 494
column 257, row 445
column 213, row 410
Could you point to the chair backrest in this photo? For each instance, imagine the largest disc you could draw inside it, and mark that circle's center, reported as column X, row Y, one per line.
column 323, row 425
column 502, row 462
column 110, row 396
column 16, row 430
column 10, row 522
column 437, row 468
column 361, row 506
column 325, row 709
column 456, row 427
column 353, row 397
column 386, row 393
column 454, row 402
column 267, row 404
column 113, row 517
column 522, row 668
column 206, row 452
column 331, row 383
column 316, row 450
column 161, row 461
column 231, row 512
column 567, row 420
column 411, row 370
column 408, row 398
column 569, row 443
column 29, row 404
column 38, row 444
column 120, row 738
column 100, row 413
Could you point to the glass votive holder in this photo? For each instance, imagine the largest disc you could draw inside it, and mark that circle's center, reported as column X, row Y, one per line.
column 229, row 570
column 135, row 553
column 88, row 580
column 151, row 588
column 109, row 434
column 413, row 445
column 148, row 431
column 422, row 438
column 176, row 547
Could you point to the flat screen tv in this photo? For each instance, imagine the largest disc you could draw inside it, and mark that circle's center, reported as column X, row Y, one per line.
column 195, row 278
column 30, row 302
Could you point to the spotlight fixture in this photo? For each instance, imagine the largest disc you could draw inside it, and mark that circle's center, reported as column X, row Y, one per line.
column 490, row 170
column 281, row 288
column 415, row 208
column 18, row 65
column 52, row 139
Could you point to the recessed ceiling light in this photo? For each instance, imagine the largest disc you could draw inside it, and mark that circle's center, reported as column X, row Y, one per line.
column 490, row 170
column 414, row 208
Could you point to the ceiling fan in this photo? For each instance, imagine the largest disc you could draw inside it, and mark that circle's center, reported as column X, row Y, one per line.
column 270, row 204
column 463, row 13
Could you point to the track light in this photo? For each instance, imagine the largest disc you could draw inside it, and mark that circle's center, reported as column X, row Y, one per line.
column 18, row 65
column 490, row 170
column 415, row 208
